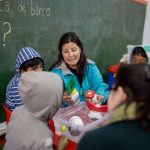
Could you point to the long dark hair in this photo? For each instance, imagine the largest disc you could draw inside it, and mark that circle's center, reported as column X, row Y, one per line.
column 135, row 80
column 66, row 38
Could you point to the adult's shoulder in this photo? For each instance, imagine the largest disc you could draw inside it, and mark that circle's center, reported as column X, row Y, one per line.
column 90, row 62
column 98, row 139
column 56, row 70
column 104, row 133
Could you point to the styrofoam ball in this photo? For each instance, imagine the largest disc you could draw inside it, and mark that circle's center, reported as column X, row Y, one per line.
column 76, row 125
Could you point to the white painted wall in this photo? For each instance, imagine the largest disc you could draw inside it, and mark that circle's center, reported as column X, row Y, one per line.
column 146, row 32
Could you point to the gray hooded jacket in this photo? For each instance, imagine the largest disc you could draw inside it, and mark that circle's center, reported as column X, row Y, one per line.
column 41, row 93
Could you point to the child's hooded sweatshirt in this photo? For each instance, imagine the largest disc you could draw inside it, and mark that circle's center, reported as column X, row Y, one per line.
column 13, row 98
column 28, row 129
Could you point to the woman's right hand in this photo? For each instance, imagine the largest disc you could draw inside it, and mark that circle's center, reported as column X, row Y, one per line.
column 67, row 98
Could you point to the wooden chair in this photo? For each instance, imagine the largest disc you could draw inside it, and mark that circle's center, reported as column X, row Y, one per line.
column 7, row 112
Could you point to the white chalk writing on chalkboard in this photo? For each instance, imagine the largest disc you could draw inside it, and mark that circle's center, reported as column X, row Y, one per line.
column 30, row 8
column 8, row 31
column 35, row 10
column 6, row 7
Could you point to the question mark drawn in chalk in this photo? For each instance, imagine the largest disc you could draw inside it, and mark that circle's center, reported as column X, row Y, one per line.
column 4, row 37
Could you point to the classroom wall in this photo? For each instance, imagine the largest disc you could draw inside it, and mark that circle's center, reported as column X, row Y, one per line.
column 104, row 26
column 146, row 32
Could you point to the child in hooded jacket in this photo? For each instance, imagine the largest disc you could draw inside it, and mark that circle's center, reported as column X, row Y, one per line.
column 136, row 54
column 41, row 93
column 27, row 60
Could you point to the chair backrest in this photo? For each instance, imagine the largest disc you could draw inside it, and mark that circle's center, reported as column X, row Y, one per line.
column 7, row 112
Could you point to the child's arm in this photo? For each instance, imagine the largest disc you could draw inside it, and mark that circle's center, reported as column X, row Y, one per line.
column 63, row 142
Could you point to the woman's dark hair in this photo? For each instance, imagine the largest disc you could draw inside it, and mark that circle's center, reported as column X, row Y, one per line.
column 32, row 63
column 135, row 80
column 139, row 51
column 66, row 38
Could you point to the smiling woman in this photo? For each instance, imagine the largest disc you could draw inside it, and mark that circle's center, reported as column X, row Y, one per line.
column 78, row 73
column 71, row 54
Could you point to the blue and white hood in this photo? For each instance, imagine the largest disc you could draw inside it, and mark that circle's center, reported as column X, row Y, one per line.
column 25, row 54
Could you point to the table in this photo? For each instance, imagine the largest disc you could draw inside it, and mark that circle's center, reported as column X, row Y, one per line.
column 81, row 110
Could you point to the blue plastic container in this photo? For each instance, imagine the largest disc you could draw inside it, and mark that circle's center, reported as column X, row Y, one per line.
column 112, row 71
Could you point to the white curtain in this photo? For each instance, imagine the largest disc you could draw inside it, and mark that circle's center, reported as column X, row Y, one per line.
column 146, row 32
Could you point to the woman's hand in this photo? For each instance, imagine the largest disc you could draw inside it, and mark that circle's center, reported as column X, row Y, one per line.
column 99, row 98
column 67, row 98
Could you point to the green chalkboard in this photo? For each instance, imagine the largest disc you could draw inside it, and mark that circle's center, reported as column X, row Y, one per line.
column 104, row 26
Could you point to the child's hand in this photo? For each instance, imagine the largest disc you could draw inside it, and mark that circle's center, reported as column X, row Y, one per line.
column 63, row 142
